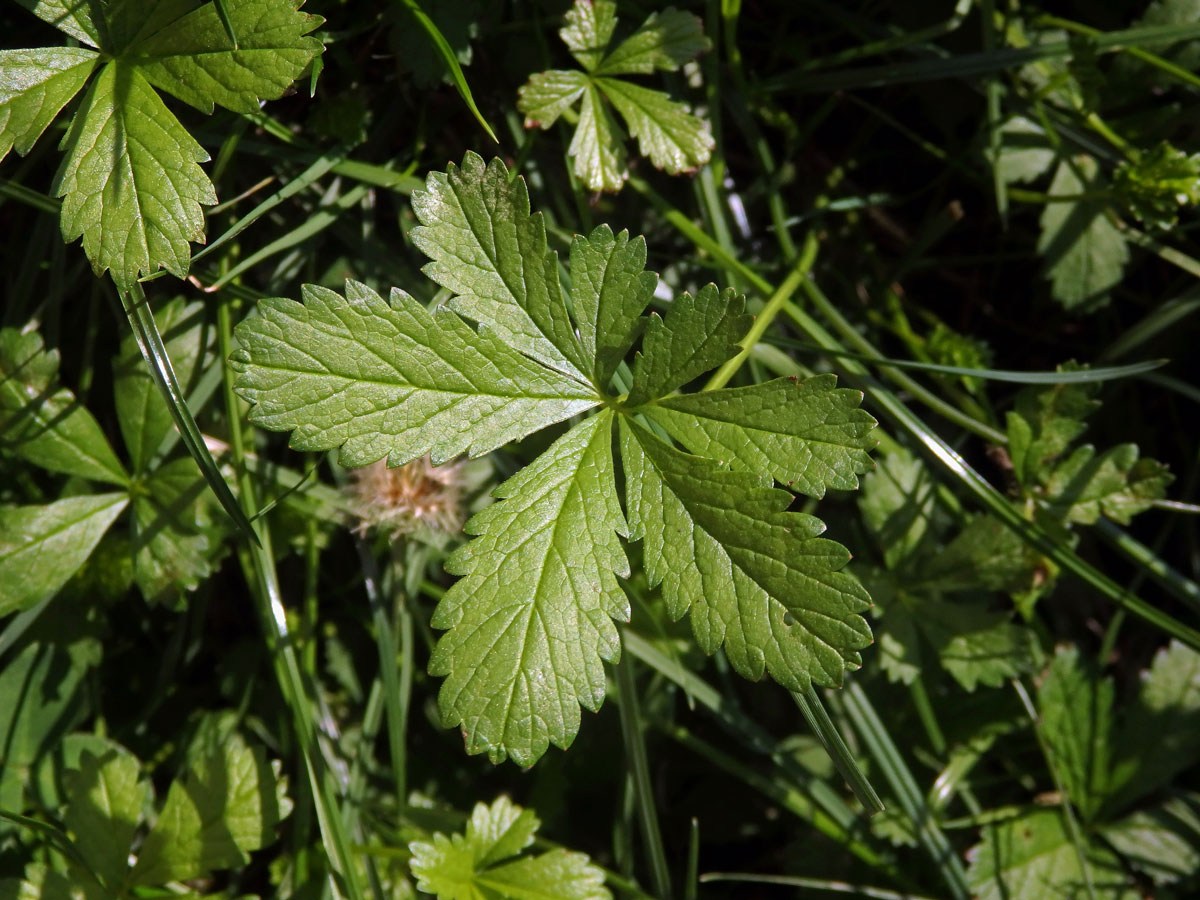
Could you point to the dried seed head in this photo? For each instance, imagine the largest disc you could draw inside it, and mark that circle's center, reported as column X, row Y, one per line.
column 406, row 498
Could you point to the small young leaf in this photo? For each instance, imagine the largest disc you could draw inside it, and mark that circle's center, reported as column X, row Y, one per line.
column 609, row 292
column 225, row 805
column 194, row 59
column 754, row 577
column 670, row 136
column 1044, row 423
column 130, row 181
column 34, row 87
column 1156, row 184
column 809, row 435
column 587, row 30
column 547, row 95
column 105, row 806
column 897, row 504
column 1085, row 253
column 488, row 249
column 666, row 40
column 479, row 864
column 1115, row 484
column 698, row 334
column 1025, row 152
column 598, row 145
column 392, row 379
column 530, row 622
column 43, row 423
column 41, row 547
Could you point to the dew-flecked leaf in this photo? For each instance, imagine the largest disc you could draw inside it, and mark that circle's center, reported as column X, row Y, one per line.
column 193, row 58
column 587, row 30
column 698, row 334
column 609, row 291
column 479, row 865
column 43, row 423
column 666, row 40
column 754, row 577
column 547, row 95
column 810, row 435
column 34, row 87
column 530, row 623
column 130, row 181
column 667, row 134
column 491, row 252
column 392, row 379
column 41, row 547
column 598, row 145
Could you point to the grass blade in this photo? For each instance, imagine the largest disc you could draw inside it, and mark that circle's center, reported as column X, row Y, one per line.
column 831, row 739
column 446, row 52
column 150, row 342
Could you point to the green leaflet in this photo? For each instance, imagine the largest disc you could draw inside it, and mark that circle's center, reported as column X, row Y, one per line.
column 489, row 250
column 698, row 334
column 670, row 136
column 106, row 797
column 809, row 435
column 1162, row 841
column 530, row 623
column 1085, row 253
column 754, row 577
column 34, row 87
column 130, row 179
column 1032, row 857
column 482, row 863
column 41, row 547
column 392, row 379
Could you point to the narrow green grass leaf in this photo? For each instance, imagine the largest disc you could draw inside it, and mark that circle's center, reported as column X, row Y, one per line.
column 446, row 52
column 41, row 547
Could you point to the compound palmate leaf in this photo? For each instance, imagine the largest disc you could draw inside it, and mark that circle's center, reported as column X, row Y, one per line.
column 483, row 862
column 130, row 180
column 533, row 618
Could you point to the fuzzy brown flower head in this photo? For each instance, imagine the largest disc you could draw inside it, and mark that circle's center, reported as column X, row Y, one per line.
column 404, row 499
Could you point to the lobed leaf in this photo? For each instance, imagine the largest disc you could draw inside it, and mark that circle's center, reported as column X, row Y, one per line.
column 810, row 435
column 698, row 334
column 529, row 625
column 666, row 40
column 106, row 797
column 588, row 28
column 392, row 379
column 35, row 85
column 130, row 181
column 491, row 253
column 755, row 578
column 194, row 58
column 670, row 136
column 479, row 863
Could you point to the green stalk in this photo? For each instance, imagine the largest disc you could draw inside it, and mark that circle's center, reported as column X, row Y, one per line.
column 258, row 562
column 831, row 739
column 635, row 753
